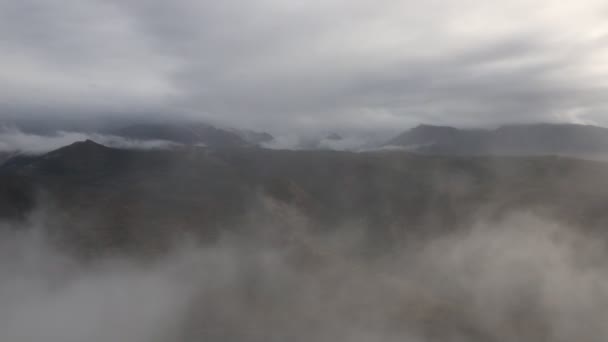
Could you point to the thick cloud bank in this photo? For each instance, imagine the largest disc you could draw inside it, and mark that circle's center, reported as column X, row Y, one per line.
column 523, row 279
column 288, row 65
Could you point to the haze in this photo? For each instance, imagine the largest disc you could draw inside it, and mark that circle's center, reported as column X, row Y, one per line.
column 314, row 171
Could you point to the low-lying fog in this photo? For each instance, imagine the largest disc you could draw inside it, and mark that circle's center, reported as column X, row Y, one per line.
column 15, row 140
column 522, row 279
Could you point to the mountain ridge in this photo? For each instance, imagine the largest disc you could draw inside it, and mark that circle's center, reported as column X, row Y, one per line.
column 123, row 197
column 518, row 139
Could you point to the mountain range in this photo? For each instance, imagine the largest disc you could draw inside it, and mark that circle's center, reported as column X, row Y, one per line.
column 121, row 198
column 530, row 139
column 403, row 239
column 533, row 139
column 584, row 141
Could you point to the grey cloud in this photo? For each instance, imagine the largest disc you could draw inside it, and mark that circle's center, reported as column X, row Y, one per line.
column 284, row 66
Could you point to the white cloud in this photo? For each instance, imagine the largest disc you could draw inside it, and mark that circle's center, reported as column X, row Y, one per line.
column 514, row 281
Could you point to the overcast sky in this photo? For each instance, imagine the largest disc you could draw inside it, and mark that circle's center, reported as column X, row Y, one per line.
column 292, row 64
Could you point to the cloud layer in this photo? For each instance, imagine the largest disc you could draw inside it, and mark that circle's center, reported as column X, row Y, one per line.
column 16, row 141
column 524, row 279
column 284, row 65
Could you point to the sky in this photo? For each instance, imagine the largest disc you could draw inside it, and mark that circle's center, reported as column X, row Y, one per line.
column 284, row 65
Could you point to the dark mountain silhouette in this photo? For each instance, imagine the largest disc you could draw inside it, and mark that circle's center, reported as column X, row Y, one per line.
column 122, row 198
column 535, row 139
column 333, row 136
column 4, row 156
column 253, row 137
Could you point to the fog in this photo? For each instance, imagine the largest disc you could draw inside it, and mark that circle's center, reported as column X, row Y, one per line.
column 348, row 143
column 15, row 140
column 520, row 279
column 313, row 188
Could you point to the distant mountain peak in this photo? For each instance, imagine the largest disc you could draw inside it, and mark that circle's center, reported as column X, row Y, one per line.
column 427, row 127
column 90, row 143
column 424, row 135
column 80, row 155
column 334, row 136
column 254, row 137
column 81, row 150
column 519, row 139
column 86, row 145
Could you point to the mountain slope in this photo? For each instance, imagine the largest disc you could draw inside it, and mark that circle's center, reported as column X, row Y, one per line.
column 538, row 139
column 103, row 197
